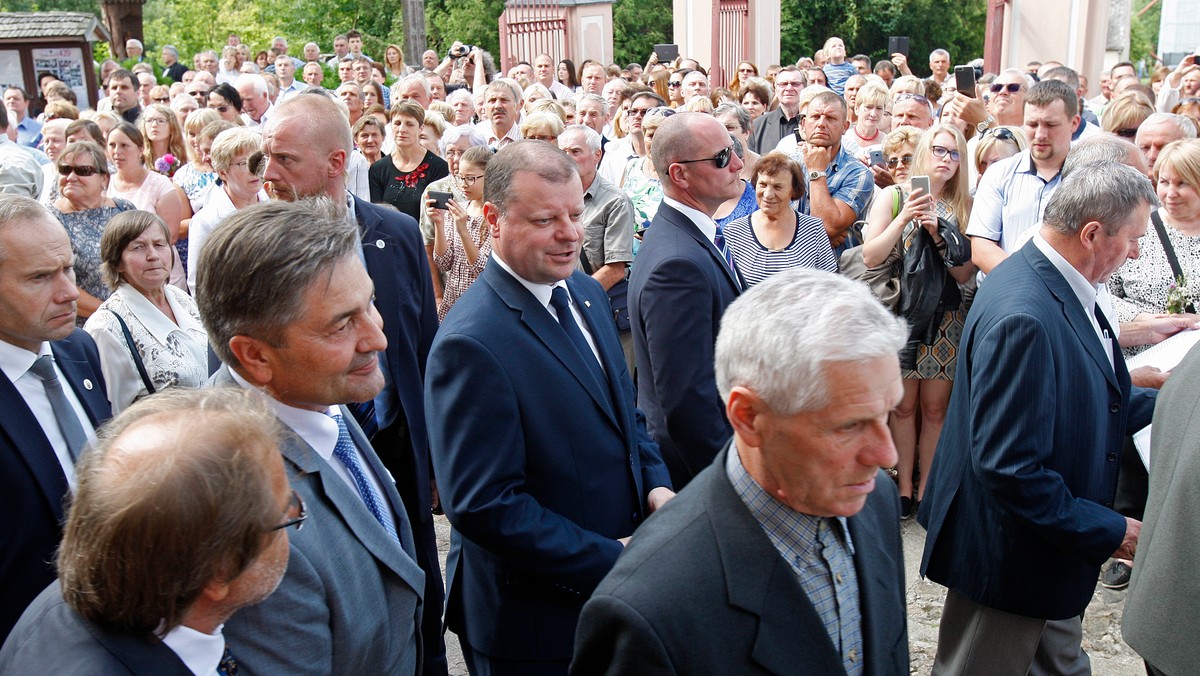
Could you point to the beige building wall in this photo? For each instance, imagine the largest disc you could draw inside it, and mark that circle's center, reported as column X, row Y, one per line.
column 592, row 25
column 1071, row 31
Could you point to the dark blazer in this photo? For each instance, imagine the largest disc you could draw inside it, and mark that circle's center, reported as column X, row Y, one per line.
column 1019, row 504
column 678, row 290
column 350, row 602
column 540, row 467
column 32, row 484
column 701, row 590
column 52, row 638
column 769, row 129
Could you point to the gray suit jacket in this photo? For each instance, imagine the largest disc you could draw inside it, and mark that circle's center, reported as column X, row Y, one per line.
column 701, row 590
column 350, row 602
column 1160, row 612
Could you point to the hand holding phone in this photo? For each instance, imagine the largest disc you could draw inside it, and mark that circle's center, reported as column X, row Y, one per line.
column 964, row 80
column 440, row 199
column 877, row 159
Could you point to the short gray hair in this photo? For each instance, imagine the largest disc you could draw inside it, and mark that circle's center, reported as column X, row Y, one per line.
column 255, row 81
column 590, row 138
column 514, row 88
column 777, row 338
column 171, row 49
column 1107, row 193
column 412, row 77
column 249, row 285
column 538, row 157
column 1101, row 148
column 939, row 52
column 737, row 110
column 460, row 94
column 594, row 98
column 469, row 131
column 1185, row 125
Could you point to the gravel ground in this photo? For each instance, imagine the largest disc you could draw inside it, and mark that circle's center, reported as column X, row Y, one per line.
column 1101, row 625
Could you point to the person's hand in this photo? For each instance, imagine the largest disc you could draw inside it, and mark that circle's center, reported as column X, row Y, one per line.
column 653, row 61
column 459, row 215
column 1148, row 376
column 1162, row 327
column 1187, row 65
column 968, row 109
column 624, row 541
column 918, row 207
column 1133, row 529
column 816, row 158
column 883, row 177
column 432, row 211
column 658, row 497
column 900, row 61
column 476, row 56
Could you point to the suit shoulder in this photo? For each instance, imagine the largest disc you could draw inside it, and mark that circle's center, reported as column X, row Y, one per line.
column 79, row 345
column 382, row 219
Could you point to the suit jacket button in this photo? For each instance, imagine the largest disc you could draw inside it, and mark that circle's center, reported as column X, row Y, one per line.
column 1115, row 408
column 1112, row 457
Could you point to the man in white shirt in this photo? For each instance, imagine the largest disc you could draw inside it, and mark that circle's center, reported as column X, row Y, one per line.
column 256, row 104
column 197, row 474
column 543, row 72
column 502, row 106
column 285, row 70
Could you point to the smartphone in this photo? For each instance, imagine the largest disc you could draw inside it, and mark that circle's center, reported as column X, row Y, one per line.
column 898, row 44
column 877, row 158
column 666, row 53
column 440, row 198
column 921, row 183
column 964, row 80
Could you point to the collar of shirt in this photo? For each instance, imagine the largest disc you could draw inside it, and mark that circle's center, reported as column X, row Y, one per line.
column 315, row 427
column 15, row 361
column 541, row 292
column 1084, row 290
column 702, row 220
column 201, row 653
column 514, row 134
column 781, row 523
column 158, row 324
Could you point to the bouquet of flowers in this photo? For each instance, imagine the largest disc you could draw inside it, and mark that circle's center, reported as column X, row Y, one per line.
column 1178, row 296
column 167, row 165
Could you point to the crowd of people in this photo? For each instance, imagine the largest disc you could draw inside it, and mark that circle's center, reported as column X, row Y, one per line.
column 544, row 301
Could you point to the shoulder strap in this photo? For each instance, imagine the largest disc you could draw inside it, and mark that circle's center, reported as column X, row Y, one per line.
column 1168, row 249
column 896, row 201
column 137, row 357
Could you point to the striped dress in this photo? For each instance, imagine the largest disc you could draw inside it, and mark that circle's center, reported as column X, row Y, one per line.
column 809, row 248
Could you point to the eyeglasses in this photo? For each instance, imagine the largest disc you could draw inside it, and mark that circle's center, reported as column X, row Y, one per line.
column 675, row 83
column 941, row 152
column 785, row 84
column 82, row 172
column 637, row 112
column 163, row 99
column 297, row 504
column 1012, row 87
column 221, row 109
column 1001, row 133
column 155, row 121
column 466, row 180
column 894, row 162
column 721, row 159
column 910, row 97
column 1126, row 132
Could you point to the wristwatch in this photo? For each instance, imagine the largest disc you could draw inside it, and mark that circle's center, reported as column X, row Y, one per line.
column 814, row 175
column 985, row 125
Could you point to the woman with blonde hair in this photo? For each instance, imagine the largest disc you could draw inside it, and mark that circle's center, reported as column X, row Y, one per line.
column 164, row 137
column 744, row 71
column 542, row 127
column 1124, row 114
column 393, row 62
column 996, row 144
column 926, row 231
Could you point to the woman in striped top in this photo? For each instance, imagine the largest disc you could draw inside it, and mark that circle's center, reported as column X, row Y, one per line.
column 777, row 237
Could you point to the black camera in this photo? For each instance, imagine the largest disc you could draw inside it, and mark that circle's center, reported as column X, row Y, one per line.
column 461, row 51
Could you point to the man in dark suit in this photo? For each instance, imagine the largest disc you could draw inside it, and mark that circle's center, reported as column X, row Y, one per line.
column 297, row 323
column 543, row 463
column 784, row 556
column 180, row 518
column 1019, row 503
column 678, row 290
column 44, row 425
column 307, row 143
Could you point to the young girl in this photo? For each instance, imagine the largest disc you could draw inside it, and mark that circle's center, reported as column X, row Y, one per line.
column 461, row 246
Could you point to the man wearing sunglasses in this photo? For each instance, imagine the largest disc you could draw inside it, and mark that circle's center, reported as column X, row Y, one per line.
column 1006, row 98
column 1014, row 192
column 784, row 120
column 678, row 290
column 181, row 516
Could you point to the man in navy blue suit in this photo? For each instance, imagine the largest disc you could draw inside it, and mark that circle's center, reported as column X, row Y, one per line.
column 307, row 144
column 1019, row 503
column 44, row 425
column 678, row 290
column 543, row 462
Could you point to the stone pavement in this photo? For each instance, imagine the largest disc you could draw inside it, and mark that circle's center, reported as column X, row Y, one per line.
column 1101, row 625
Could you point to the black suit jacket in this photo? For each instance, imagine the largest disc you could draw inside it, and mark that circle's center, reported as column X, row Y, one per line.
column 701, row 590
column 678, row 290
column 54, row 639
column 33, row 487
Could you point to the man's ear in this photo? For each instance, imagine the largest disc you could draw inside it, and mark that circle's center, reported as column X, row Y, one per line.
column 254, row 358
column 744, row 409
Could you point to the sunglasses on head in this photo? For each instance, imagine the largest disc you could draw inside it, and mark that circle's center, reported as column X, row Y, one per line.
column 1001, row 133
column 1012, row 87
column 721, row 159
column 661, row 111
column 66, row 170
column 910, row 97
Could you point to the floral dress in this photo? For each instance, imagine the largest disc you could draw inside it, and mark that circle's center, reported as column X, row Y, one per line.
column 85, row 229
column 403, row 189
column 646, row 193
column 461, row 274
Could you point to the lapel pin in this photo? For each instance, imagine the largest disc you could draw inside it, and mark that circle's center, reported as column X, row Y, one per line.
column 587, row 303
column 87, row 384
column 379, row 243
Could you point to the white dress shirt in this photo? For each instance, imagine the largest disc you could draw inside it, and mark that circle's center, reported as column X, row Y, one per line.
column 543, row 292
column 1084, row 290
column 15, row 362
column 199, row 652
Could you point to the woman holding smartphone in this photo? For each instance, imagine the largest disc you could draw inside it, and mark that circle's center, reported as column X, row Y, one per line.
column 923, row 223
column 461, row 245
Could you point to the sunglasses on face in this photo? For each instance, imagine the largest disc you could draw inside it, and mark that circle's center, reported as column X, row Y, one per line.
column 1012, row 87
column 162, row 100
column 66, row 170
column 941, row 152
column 1126, row 133
column 897, row 161
column 675, row 83
column 721, row 159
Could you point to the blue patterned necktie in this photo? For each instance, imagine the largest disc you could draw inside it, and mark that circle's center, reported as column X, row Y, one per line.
column 227, row 666
column 723, row 247
column 344, row 451
column 562, row 307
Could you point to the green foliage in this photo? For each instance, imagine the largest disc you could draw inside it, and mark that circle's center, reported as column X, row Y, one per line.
column 1143, row 34
column 92, row 6
column 638, row 25
column 473, row 23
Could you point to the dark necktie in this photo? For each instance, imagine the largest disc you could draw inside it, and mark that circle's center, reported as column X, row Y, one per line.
column 723, row 247
column 562, row 307
column 344, row 451
column 227, row 666
column 64, row 412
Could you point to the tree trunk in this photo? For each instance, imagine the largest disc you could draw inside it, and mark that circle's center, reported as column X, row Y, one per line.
column 124, row 21
column 414, row 32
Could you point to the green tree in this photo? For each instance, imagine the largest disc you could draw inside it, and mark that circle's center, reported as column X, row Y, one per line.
column 472, row 23
column 1143, row 34
column 638, row 25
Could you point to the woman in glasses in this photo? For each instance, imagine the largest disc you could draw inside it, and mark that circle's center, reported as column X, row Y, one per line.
column 745, row 71
column 236, row 158
column 164, row 136
column 899, row 147
column 224, row 99
column 926, row 232
column 1124, row 114
column 461, row 244
column 148, row 333
column 84, row 209
column 996, row 144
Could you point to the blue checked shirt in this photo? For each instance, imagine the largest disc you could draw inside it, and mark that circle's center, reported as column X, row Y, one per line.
column 848, row 180
column 821, row 555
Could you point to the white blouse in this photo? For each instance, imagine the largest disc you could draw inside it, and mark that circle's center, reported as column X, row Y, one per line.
column 175, row 355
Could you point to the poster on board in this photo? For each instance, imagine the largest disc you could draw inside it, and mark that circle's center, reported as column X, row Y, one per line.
column 66, row 63
column 10, row 68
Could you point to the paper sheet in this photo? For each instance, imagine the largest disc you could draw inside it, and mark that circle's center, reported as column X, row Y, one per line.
column 1167, row 354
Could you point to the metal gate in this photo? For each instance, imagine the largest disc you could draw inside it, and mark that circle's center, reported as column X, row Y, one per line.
column 730, row 40
column 532, row 27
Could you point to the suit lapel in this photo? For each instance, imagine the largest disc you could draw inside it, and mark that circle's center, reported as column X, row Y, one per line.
column 1074, row 312
column 386, row 480
column 27, row 440
column 871, row 563
column 676, row 218
column 90, row 392
column 546, row 328
column 381, row 266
